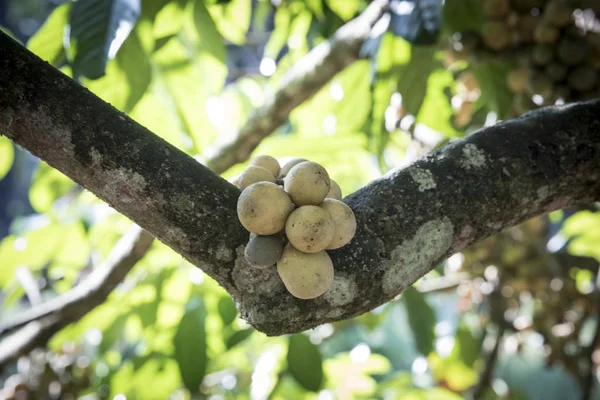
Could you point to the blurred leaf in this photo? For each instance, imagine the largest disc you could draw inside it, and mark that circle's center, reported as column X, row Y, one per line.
column 454, row 373
column 459, row 15
column 583, row 230
column 233, row 19
column 48, row 185
column 491, row 78
column 467, row 347
column 7, row 156
column 47, row 43
column 346, row 9
column 114, row 332
column 421, row 319
column 238, row 337
column 134, row 61
column 169, row 19
column 316, row 7
column 227, row 310
column 190, row 346
column 304, row 362
column 279, row 36
column 414, row 77
column 417, row 21
column 436, row 111
column 209, row 36
column 98, row 28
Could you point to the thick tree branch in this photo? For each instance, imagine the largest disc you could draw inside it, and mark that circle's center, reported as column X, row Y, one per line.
column 299, row 84
column 408, row 221
column 38, row 324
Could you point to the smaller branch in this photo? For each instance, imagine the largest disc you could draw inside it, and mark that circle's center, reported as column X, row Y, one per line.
column 299, row 84
column 486, row 375
column 40, row 323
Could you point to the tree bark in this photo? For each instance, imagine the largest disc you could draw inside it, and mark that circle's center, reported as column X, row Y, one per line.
column 409, row 221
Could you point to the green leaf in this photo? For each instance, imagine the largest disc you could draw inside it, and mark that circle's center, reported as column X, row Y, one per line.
column 227, row 310
column 305, row 362
column 495, row 94
column 7, row 156
column 346, row 9
column 134, row 62
column 316, row 7
column 238, row 337
column 48, row 185
column 98, row 28
column 459, row 15
column 209, row 37
column 467, row 346
column 233, row 19
column 280, row 34
column 421, row 319
column 47, row 43
column 436, row 111
column 413, row 80
column 190, row 346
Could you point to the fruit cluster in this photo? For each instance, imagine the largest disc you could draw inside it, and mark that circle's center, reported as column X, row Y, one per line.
column 556, row 44
column 294, row 214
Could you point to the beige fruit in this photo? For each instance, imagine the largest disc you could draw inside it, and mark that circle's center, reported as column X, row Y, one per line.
column 310, row 229
column 344, row 220
column 254, row 174
column 235, row 181
column 307, row 183
column 267, row 162
column 335, row 192
column 305, row 275
column 289, row 165
column 264, row 251
column 263, row 208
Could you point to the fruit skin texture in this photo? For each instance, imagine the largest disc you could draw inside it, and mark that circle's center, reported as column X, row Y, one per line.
column 254, row 174
column 307, row 183
column 263, row 251
column 267, row 162
column 335, row 192
column 344, row 220
column 289, row 165
column 310, row 229
column 263, row 208
column 305, row 276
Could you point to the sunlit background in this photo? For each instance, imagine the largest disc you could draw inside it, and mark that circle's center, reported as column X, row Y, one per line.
column 513, row 317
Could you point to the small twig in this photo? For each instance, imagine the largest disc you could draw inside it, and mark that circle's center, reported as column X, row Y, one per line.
column 299, row 84
column 38, row 324
column 486, row 375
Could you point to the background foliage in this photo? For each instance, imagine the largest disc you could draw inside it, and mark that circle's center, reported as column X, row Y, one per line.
column 513, row 317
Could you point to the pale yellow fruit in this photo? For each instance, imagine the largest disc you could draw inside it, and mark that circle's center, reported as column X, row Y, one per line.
column 235, row 181
column 305, row 275
column 335, row 192
column 263, row 208
column 344, row 220
column 267, row 162
column 307, row 183
column 289, row 165
column 254, row 174
column 310, row 229
column 263, row 251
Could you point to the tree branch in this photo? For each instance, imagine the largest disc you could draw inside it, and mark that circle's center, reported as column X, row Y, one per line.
column 408, row 221
column 299, row 84
column 40, row 323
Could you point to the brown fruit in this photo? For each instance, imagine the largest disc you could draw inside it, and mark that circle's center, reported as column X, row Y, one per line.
column 526, row 24
column 556, row 71
column 541, row 85
column 542, row 54
column 526, row 6
column 495, row 8
column 263, row 208
column 267, row 162
column 310, row 229
column 254, row 174
column 583, row 78
column 559, row 13
column 546, row 33
column 263, row 251
column 344, row 220
column 307, row 183
column 496, row 35
column 516, row 79
column 305, row 275
column 572, row 51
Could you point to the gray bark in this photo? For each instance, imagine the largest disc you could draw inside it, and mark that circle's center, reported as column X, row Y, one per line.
column 408, row 221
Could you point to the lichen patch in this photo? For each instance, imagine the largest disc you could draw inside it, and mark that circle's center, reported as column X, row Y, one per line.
column 473, row 157
column 342, row 291
column 415, row 256
column 423, row 177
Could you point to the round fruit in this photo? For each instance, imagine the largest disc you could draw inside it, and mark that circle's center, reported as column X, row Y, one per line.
column 235, row 181
column 517, row 79
column 572, row 51
column 546, row 33
column 267, row 162
column 583, row 78
column 254, row 174
column 305, row 275
column 526, row 24
column 495, row 8
column 310, row 229
column 541, row 85
column 496, row 35
column 542, row 54
column 307, row 183
column 263, row 208
column 344, row 220
column 264, row 251
column 289, row 165
column 526, row 5
column 335, row 192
